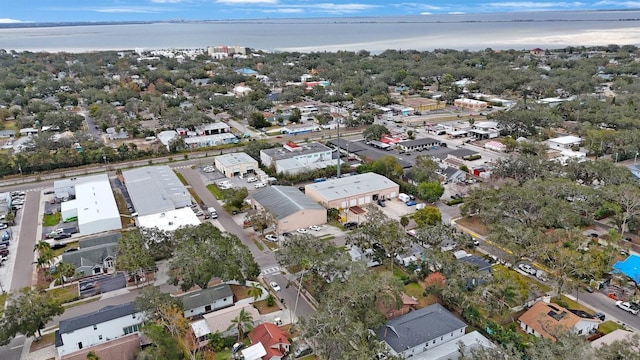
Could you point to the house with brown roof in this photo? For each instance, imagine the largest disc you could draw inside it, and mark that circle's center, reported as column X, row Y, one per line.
column 409, row 303
column 273, row 340
column 550, row 320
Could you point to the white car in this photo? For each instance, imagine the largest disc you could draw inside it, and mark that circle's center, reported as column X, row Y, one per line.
column 626, row 307
column 527, row 269
column 314, row 227
column 252, row 179
column 274, row 285
column 259, row 185
column 302, row 231
column 271, row 237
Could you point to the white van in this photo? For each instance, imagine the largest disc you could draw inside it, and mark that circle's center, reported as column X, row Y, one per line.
column 212, row 211
column 404, row 197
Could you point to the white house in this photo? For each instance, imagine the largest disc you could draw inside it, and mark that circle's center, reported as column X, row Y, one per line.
column 207, row 300
column 106, row 324
column 549, row 320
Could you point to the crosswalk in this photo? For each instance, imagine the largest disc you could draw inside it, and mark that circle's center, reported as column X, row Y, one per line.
column 35, row 190
column 270, row 270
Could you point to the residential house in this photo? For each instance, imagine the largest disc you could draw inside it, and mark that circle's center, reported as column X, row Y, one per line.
column 429, row 333
column 95, row 328
column 550, row 320
column 93, row 260
column 241, row 90
column 365, row 255
column 7, row 134
column 273, row 339
column 452, row 174
column 28, row 131
column 409, row 303
column 206, row 300
column 219, row 321
column 114, row 134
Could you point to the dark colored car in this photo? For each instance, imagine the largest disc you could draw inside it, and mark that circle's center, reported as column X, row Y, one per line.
column 381, row 203
column 62, row 236
column 56, row 246
column 350, row 225
column 600, row 316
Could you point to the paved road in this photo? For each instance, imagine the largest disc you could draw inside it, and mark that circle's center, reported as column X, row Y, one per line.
column 23, row 268
column 600, row 302
column 265, row 258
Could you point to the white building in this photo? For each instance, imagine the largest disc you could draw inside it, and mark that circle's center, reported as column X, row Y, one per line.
column 235, row 164
column 207, row 300
column 219, row 321
column 564, row 142
column 94, row 206
column 295, row 158
column 106, row 324
column 165, row 137
column 485, row 130
column 169, row 220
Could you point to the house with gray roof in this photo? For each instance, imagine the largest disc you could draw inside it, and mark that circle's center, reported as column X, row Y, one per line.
column 7, row 133
column 95, row 328
column 418, row 331
column 291, row 207
column 207, row 300
column 93, row 260
column 155, row 189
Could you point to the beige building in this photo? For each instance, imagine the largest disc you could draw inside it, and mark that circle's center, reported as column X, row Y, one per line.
column 292, row 208
column 235, row 164
column 424, row 104
column 350, row 191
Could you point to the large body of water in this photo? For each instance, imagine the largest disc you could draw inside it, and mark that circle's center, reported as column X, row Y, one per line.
column 471, row 31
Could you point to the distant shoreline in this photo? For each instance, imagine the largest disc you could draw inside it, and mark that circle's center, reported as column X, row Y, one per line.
column 428, row 19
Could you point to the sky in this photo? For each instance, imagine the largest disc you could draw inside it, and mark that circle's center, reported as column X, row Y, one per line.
column 17, row 11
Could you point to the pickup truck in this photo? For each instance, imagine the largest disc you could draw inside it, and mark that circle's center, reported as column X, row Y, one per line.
column 626, row 307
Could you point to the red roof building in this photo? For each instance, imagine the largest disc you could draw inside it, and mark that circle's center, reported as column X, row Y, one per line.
column 272, row 338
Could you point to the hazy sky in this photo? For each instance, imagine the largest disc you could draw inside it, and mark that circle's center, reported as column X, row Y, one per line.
column 123, row 10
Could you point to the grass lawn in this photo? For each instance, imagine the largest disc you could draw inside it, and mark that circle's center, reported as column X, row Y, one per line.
column 609, row 326
column 78, row 303
column 65, row 294
column 473, row 223
column 46, row 340
column 51, row 220
column 125, row 218
column 258, row 244
column 215, row 191
column 573, row 305
column 416, row 290
column 3, row 300
column 74, row 245
column 327, row 237
column 263, row 308
column 181, row 177
column 270, row 244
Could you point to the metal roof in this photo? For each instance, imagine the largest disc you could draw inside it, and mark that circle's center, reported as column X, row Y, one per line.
column 418, row 327
column 234, row 159
column 334, row 189
column 155, row 189
column 301, row 149
column 103, row 315
column 285, row 200
column 206, row 296
column 420, row 142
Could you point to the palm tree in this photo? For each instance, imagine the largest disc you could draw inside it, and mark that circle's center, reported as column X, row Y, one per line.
column 64, row 270
column 255, row 291
column 92, row 356
column 243, row 323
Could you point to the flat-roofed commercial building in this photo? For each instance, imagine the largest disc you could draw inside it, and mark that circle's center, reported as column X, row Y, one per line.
column 169, row 220
column 94, row 205
column 291, row 208
column 295, row 158
column 155, row 189
column 357, row 190
column 235, row 164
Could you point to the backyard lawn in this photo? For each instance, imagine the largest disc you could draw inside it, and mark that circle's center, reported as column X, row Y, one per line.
column 609, row 326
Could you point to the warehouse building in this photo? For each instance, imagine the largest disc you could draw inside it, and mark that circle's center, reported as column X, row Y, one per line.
column 235, row 164
column 292, row 208
column 295, row 158
column 94, row 205
column 155, row 189
column 351, row 191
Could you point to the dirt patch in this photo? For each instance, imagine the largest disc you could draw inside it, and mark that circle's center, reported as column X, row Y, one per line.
column 263, row 308
column 45, row 341
column 474, row 224
column 240, row 292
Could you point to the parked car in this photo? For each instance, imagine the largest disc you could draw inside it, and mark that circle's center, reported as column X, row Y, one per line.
column 302, row 350
column 527, row 269
column 49, row 192
column 350, row 225
column 259, row 185
column 600, row 316
column 271, row 237
column 252, row 179
column 274, row 285
column 314, row 228
column 287, row 234
column 381, row 203
column 62, row 236
column 626, row 307
column 3, row 226
column 57, row 245
column 302, row 231
column 87, row 285
column 411, row 203
column 199, row 213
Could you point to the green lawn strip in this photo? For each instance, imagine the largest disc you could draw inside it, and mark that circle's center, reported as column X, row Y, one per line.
column 215, row 191
column 182, row 179
column 327, row 237
column 74, row 245
column 258, row 244
column 609, row 326
column 81, row 302
column 65, row 294
column 51, row 220
column 3, row 300
column 195, row 196
column 574, row 305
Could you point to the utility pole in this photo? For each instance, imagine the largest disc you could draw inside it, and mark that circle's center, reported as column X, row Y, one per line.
column 339, row 153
